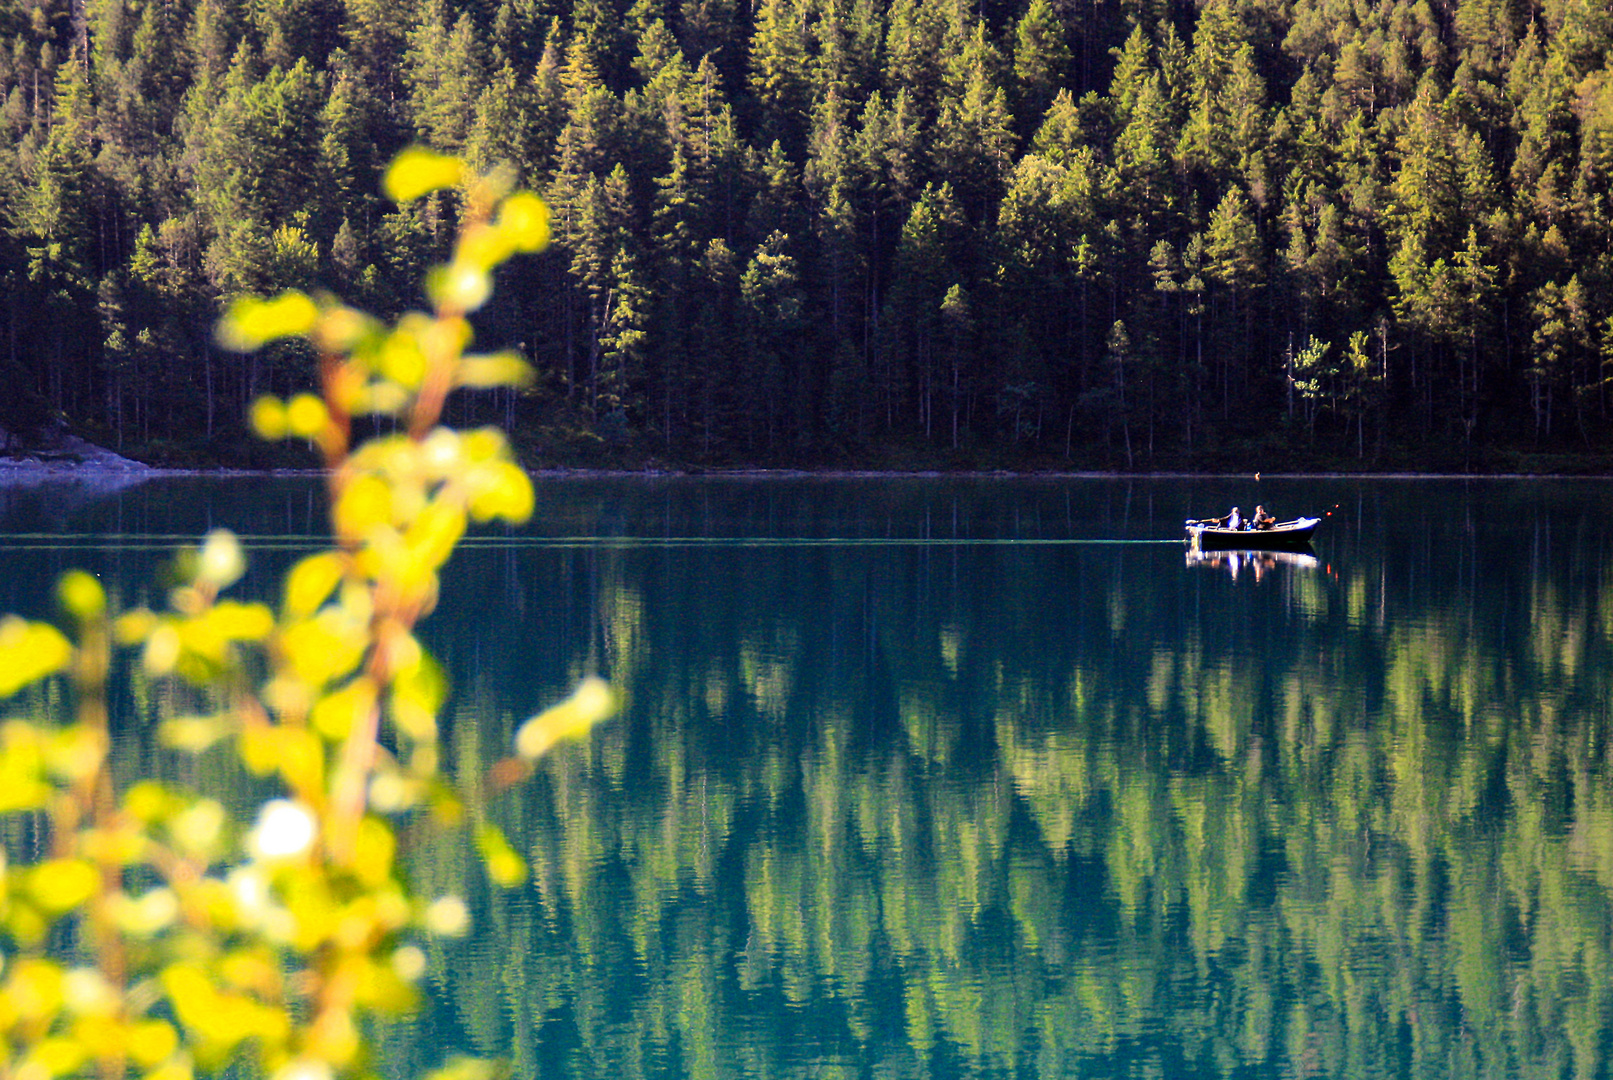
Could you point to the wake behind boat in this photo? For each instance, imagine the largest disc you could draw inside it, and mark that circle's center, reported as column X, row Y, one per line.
column 1205, row 535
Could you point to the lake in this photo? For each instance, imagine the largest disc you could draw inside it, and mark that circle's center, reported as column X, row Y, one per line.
column 987, row 778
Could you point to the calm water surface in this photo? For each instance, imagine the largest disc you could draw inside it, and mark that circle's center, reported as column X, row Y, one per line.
column 980, row 778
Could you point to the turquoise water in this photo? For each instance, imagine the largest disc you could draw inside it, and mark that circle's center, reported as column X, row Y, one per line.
column 987, row 777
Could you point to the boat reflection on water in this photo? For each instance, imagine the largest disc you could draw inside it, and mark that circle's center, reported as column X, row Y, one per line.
column 1258, row 563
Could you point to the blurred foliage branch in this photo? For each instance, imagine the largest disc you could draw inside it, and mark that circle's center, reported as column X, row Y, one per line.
column 157, row 931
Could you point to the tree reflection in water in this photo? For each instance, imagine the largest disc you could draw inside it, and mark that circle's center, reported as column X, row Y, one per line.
column 894, row 796
column 1064, row 811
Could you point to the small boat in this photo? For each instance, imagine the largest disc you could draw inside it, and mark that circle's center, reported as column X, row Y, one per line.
column 1283, row 536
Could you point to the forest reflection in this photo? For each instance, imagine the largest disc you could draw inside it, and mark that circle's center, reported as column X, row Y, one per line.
column 1054, row 812
column 915, row 781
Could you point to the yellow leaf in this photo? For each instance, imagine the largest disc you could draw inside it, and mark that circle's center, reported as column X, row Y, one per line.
column 198, row 828
column 147, row 916
column 177, row 1067
column 251, row 323
column 269, row 418
column 384, row 990
column 192, row 734
column 149, row 802
column 499, row 369
column 29, row 651
column 97, row 1037
column 362, row 505
column 30, row 794
column 373, row 852
column 151, row 1041
column 253, row 970
column 592, row 702
column 122, row 844
column 34, row 987
column 59, row 885
column 524, row 219
column 445, row 337
column 311, row 582
column 433, row 534
column 504, row 866
column 189, row 990
column 417, row 693
column 401, row 360
column 259, row 746
column 484, row 444
column 81, row 595
column 296, row 752
column 335, row 714
column 85, row 991
column 236, row 621
column 162, row 649
column 484, row 246
column 459, row 287
column 344, row 329
column 220, row 562
column 324, row 648
column 417, row 171
column 56, row 1056
column 382, row 397
column 75, row 752
column 26, row 926
column 133, row 627
column 464, row 1068
column 499, row 489
column 306, row 416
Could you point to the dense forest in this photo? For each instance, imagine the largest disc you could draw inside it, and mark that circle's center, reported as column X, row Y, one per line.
column 1117, row 233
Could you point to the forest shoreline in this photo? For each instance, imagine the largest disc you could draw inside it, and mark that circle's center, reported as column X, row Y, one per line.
column 35, row 472
column 61, row 455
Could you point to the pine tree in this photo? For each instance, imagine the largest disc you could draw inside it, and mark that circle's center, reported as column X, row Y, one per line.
column 588, row 140
column 1041, row 58
column 504, row 131
column 779, row 72
column 974, row 140
column 719, row 379
column 1225, row 122
column 52, row 219
column 913, row 54
column 770, row 314
column 926, row 264
column 445, row 76
column 1235, row 260
column 680, row 236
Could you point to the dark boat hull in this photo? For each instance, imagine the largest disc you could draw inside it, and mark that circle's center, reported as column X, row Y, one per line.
column 1284, row 537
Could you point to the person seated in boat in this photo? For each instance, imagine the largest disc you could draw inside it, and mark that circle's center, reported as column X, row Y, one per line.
column 1226, row 521
column 1263, row 520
